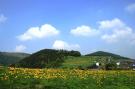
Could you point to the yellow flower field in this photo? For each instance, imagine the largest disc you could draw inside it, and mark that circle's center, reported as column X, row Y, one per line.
column 100, row 77
column 65, row 73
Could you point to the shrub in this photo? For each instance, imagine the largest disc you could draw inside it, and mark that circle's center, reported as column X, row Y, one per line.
column 110, row 66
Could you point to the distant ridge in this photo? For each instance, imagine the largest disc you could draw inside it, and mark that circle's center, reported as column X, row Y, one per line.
column 102, row 53
column 7, row 58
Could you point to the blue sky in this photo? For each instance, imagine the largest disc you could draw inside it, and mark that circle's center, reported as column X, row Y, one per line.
column 84, row 25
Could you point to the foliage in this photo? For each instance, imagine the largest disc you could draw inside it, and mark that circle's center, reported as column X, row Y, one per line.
column 70, row 53
column 111, row 66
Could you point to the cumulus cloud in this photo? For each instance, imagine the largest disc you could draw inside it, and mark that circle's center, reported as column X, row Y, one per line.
column 119, row 35
column 111, row 31
column 59, row 44
column 45, row 30
column 2, row 18
column 131, row 8
column 20, row 48
column 84, row 31
column 107, row 24
column 117, row 31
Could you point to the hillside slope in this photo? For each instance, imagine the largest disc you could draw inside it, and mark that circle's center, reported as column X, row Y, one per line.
column 46, row 58
column 66, row 59
column 90, row 59
column 102, row 53
column 7, row 58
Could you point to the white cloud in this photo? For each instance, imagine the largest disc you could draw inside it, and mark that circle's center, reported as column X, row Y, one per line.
column 131, row 8
column 111, row 31
column 84, row 31
column 45, row 30
column 2, row 18
column 119, row 35
column 20, row 48
column 117, row 31
column 107, row 24
column 59, row 44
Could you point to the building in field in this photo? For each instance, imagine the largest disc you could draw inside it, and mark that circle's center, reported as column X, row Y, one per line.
column 126, row 64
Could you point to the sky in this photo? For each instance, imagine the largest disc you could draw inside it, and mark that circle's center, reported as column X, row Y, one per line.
column 84, row 25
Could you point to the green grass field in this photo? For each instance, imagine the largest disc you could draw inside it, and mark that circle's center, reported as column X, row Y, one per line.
column 83, row 61
column 75, row 62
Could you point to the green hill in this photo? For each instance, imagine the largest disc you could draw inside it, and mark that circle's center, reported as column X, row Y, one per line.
column 7, row 58
column 107, row 54
column 90, row 59
column 46, row 58
column 66, row 59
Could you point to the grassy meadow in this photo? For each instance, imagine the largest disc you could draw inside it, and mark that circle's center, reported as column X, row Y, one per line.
column 24, row 78
column 84, row 61
column 75, row 62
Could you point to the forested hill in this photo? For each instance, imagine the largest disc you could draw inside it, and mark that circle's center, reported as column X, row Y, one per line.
column 102, row 53
column 7, row 58
column 46, row 58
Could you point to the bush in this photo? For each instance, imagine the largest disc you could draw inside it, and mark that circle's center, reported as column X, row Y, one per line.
column 110, row 66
